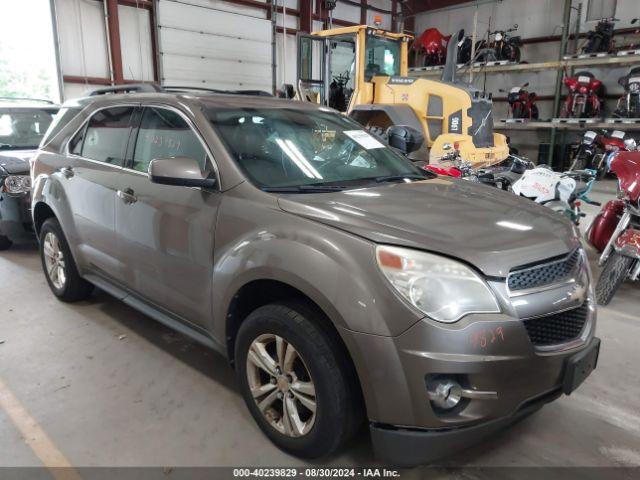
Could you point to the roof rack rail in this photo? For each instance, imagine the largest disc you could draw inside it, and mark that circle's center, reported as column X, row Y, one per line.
column 180, row 88
column 126, row 88
column 27, row 99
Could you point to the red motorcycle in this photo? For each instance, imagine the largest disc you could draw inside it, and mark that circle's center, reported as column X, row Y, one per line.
column 615, row 232
column 583, row 100
column 522, row 103
column 433, row 45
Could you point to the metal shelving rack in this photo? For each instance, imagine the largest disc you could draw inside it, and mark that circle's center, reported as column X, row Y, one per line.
column 565, row 61
column 594, row 61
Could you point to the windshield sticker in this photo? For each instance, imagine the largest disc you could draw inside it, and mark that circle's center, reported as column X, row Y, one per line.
column 363, row 139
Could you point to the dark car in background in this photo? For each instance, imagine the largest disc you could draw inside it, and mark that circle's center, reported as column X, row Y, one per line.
column 23, row 123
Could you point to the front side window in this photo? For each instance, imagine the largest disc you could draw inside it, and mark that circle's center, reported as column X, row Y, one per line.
column 22, row 128
column 282, row 147
column 382, row 57
column 106, row 136
column 164, row 134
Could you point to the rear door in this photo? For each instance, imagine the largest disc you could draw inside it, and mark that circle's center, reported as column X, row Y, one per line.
column 96, row 156
column 165, row 233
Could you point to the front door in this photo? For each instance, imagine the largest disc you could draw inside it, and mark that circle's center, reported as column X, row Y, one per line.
column 91, row 176
column 166, row 233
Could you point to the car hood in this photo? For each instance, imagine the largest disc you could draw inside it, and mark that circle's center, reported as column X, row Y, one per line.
column 15, row 162
column 484, row 226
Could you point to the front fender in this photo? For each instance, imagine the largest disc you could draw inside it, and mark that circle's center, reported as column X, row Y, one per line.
column 335, row 269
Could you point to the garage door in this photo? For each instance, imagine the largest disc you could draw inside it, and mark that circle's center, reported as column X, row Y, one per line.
column 201, row 45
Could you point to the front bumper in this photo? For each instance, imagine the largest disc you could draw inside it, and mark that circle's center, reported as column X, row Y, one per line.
column 504, row 360
column 408, row 447
column 15, row 216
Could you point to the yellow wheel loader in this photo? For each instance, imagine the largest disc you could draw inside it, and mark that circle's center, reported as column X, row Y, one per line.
column 363, row 72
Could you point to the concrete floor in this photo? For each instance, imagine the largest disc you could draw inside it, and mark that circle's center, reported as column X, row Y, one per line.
column 110, row 387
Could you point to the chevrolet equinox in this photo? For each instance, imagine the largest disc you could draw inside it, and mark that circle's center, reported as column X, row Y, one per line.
column 342, row 283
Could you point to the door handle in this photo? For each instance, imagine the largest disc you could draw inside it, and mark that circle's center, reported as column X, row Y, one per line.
column 127, row 196
column 67, row 172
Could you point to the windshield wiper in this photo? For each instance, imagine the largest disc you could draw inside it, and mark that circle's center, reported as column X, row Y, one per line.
column 397, row 178
column 305, row 189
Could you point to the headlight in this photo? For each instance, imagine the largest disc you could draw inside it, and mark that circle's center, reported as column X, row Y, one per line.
column 445, row 290
column 17, row 184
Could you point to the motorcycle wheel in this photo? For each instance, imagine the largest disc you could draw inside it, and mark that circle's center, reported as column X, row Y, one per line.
column 519, row 111
column 614, row 273
column 579, row 163
column 534, row 112
column 515, row 54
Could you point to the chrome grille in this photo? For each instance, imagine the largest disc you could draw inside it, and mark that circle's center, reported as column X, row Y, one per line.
column 545, row 274
column 558, row 328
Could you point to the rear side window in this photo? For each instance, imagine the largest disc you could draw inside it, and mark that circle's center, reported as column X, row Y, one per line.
column 164, row 133
column 106, row 135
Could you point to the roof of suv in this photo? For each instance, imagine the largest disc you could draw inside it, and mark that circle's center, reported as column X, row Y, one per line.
column 207, row 98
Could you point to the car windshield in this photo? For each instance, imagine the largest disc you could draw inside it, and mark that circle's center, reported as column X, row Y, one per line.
column 281, row 147
column 23, row 128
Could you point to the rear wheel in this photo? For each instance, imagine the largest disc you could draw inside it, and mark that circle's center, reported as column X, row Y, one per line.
column 615, row 270
column 534, row 112
column 296, row 380
column 58, row 265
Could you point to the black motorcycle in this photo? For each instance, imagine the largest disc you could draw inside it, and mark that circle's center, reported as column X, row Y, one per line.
column 503, row 46
column 601, row 38
column 629, row 104
column 583, row 153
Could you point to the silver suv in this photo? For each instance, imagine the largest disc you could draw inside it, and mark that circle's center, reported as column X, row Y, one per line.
column 342, row 283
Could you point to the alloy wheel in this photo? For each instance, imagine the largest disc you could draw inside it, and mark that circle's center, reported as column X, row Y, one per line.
column 281, row 385
column 54, row 260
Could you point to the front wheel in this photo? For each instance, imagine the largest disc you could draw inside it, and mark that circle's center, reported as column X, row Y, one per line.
column 615, row 270
column 296, row 380
column 59, row 267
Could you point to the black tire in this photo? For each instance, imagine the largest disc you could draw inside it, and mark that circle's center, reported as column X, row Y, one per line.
column 579, row 162
column 515, row 54
column 339, row 413
column 5, row 243
column 534, row 112
column 613, row 274
column 74, row 288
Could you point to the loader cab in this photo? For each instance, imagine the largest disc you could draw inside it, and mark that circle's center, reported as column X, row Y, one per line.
column 336, row 67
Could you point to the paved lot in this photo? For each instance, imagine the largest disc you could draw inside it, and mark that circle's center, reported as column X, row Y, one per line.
column 108, row 386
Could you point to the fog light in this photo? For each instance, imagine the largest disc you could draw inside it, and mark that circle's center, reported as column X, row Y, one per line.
column 445, row 393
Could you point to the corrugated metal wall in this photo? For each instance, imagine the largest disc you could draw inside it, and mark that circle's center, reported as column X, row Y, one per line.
column 202, row 43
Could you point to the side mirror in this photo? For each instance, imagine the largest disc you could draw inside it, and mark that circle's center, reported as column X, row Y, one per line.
column 178, row 171
column 404, row 138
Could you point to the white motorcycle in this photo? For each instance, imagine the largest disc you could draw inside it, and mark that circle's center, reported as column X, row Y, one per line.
column 562, row 192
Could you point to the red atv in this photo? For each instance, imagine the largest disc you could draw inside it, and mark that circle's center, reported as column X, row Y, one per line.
column 522, row 103
column 583, row 100
column 433, row 45
column 615, row 232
